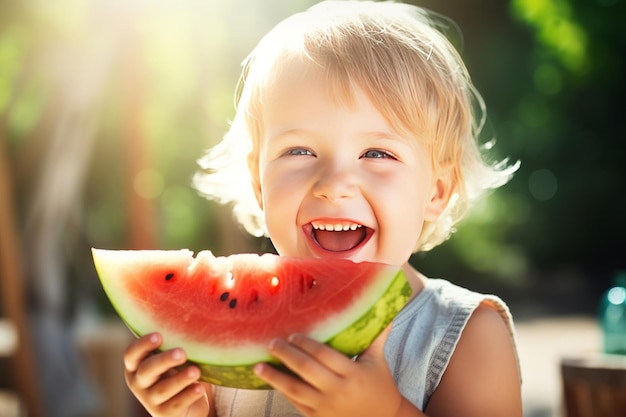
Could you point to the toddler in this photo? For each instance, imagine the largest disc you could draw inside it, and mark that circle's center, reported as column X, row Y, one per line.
column 355, row 137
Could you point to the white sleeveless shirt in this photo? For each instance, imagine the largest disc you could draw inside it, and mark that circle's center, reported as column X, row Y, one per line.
column 422, row 340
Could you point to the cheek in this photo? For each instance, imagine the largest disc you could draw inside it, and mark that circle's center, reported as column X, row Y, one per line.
column 285, row 183
column 280, row 200
column 280, row 221
column 275, row 190
column 403, row 240
column 401, row 223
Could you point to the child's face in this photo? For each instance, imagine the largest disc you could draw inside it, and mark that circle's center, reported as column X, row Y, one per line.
column 328, row 165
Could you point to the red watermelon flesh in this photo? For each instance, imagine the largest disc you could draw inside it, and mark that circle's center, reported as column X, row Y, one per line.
column 224, row 310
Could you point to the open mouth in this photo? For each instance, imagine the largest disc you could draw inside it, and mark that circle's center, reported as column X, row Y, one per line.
column 339, row 236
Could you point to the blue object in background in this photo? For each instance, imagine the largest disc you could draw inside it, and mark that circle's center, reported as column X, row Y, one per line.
column 613, row 316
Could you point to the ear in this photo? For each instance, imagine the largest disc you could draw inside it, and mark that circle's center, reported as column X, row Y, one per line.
column 444, row 186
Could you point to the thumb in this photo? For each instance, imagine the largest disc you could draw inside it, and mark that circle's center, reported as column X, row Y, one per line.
column 377, row 348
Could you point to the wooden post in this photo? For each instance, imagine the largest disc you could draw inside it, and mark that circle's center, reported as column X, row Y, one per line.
column 12, row 296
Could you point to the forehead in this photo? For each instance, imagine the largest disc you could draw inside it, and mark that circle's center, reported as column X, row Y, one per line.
column 287, row 82
column 295, row 71
column 303, row 83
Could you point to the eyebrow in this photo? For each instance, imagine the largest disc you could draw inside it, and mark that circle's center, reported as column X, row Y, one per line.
column 286, row 132
column 389, row 135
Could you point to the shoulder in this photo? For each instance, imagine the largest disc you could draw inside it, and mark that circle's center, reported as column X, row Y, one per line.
column 469, row 307
column 483, row 373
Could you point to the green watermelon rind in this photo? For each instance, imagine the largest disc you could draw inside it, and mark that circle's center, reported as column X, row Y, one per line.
column 352, row 341
column 356, row 338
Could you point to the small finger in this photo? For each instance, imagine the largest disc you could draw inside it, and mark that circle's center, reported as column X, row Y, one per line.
column 322, row 353
column 140, row 349
column 303, row 364
column 168, row 388
column 180, row 403
column 155, row 366
column 288, row 384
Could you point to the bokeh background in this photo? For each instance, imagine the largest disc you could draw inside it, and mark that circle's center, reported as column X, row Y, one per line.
column 105, row 106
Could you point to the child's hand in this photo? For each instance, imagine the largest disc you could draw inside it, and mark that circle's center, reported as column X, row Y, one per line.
column 332, row 384
column 161, row 389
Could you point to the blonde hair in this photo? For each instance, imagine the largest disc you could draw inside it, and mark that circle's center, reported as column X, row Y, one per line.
column 395, row 53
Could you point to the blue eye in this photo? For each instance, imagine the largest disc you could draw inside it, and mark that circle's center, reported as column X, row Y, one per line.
column 377, row 154
column 299, row 152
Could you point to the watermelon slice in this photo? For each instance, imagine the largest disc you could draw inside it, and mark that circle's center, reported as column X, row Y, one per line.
column 223, row 311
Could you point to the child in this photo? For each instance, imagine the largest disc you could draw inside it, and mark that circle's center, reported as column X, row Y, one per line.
column 355, row 137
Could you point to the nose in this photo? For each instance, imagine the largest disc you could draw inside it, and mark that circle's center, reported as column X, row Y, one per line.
column 335, row 183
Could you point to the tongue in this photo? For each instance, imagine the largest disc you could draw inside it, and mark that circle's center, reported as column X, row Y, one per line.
column 339, row 241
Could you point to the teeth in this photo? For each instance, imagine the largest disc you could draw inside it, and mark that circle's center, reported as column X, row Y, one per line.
column 337, row 227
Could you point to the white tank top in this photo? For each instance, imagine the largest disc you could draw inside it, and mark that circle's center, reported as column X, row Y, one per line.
column 423, row 337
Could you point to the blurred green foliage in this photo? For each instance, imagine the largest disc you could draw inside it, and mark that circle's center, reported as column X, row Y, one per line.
column 551, row 72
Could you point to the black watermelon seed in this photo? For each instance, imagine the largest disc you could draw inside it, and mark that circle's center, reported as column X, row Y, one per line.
column 224, row 296
column 169, row 276
column 232, row 303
